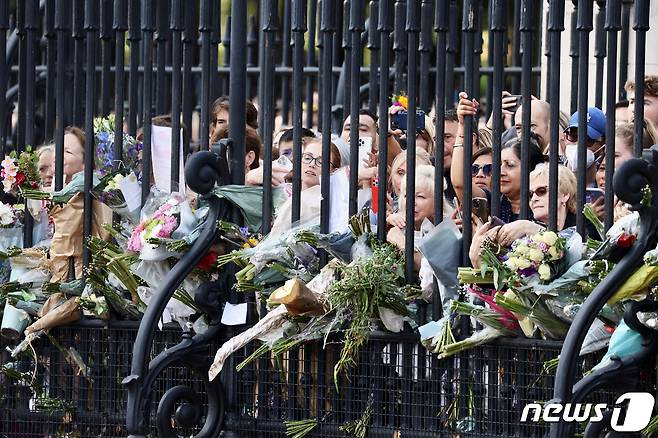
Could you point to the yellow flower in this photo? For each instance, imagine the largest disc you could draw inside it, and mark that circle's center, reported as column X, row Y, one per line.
column 544, row 271
column 522, row 263
column 552, row 251
column 404, row 101
column 549, row 237
column 535, row 255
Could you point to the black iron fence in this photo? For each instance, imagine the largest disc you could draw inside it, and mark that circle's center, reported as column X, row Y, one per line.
column 66, row 61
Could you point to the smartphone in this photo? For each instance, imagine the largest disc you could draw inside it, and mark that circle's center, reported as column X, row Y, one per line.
column 365, row 147
column 481, row 208
column 374, row 195
column 400, row 119
column 496, row 222
column 592, row 194
column 519, row 101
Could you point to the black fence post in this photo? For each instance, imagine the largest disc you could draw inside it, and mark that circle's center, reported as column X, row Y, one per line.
column 50, row 36
column 205, row 28
column 91, row 35
column 78, row 61
column 31, row 27
column 176, row 24
column 641, row 26
column 62, row 27
column 120, row 26
column 574, row 54
column 298, row 27
column 384, row 28
column 238, row 84
column 526, row 28
column 328, row 30
column 310, row 61
column 599, row 53
column 471, row 8
column 399, row 45
column 161, row 39
column 190, row 15
column 148, row 27
column 623, row 50
column 373, row 47
column 134, row 38
column 269, row 28
column 612, row 27
column 498, row 27
column 356, row 27
column 285, row 62
column 106, row 55
column 555, row 28
column 425, row 49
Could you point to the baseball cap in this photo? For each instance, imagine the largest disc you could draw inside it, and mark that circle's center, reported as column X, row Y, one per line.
column 595, row 123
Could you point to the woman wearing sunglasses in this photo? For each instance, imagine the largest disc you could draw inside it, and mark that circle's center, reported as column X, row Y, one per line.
column 481, row 168
column 508, row 233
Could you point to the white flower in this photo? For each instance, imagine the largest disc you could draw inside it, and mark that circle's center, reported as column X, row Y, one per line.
column 535, row 255
column 6, row 215
column 544, row 271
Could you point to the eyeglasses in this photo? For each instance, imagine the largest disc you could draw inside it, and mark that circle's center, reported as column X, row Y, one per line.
column 486, row 169
column 308, row 159
column 539, row 191
column 571, row 135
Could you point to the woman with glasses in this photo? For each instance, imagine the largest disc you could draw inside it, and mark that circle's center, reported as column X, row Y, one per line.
column 510, row 169
column 312, row 160
column 481, row 168
column 508, row 233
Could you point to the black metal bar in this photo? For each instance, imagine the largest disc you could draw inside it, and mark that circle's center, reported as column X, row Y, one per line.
column 252, row 44
column 91, row 35
column 215, row 40
column 498, row 28
column 4, row 27
column 161, row 38
column 526, row 28
column 412, row 28
column 78, row 62
column 134, row 37
column 599, row 53
column 51, row 52
column 555, row 28
column 585, row 26
column 177, row 25
column 310, row 60
column 120, row 26
column 189, row 39
column 269, row 27
column 356, row 26
column 574, row 54
column 226, row 42
column 441, row 27
column 343, row 90
column 328, row 29
column 62, row 27
column 516, row 43
column 373, row 47
column 452, row 53
column 468, row 29
column 425, row 49
column 285, row 62
column 641, row 26
column 106, row 55
column 238, row 84
column 148, row 28
column 612, row 26
column 384, row 28
column 298, row 27
column 399, row 45
column 205, row 28
column 623, row 52
column 31, row 27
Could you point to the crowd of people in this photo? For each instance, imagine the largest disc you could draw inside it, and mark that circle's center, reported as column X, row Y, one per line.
column 506, row 227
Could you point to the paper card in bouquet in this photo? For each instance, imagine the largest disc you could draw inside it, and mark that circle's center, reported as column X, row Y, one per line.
column 132, row 191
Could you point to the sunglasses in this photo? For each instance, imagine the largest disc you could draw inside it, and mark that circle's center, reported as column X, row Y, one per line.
column 539, row 191
column 571, row 135
column 486, row 169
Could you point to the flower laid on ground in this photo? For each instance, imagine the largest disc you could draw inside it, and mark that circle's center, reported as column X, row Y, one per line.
column 536, row 254
column 20, row 170
column 7, row 216
column 104, row 135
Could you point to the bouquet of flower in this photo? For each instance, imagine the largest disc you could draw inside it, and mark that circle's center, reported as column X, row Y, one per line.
column 104, row 135
column 538, row 254
column 400, row 100
column 10, row 216
column 111, row 192
column 20, row 171
column 161, row 224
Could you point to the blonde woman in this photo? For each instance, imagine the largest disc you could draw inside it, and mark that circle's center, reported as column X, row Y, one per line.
column 423, row 207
